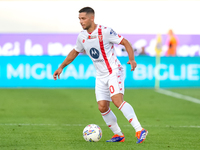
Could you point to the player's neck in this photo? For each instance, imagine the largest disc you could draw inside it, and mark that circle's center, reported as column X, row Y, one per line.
column 92, row 28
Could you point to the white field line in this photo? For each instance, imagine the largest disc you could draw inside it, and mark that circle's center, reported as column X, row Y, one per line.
column 177, row 95
column 83, row 125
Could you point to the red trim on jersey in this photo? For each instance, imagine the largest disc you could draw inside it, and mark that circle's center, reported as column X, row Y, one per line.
column 103, row 50
column 122, row 105
column 121, row 41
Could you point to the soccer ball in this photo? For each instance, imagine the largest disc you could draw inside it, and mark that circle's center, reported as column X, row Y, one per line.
column 92, row 133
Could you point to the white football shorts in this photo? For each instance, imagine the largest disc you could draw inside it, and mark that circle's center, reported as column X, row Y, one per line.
column 108, row 86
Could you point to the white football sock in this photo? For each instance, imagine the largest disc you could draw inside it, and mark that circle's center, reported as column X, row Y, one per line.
column 111, row 121
column 129, row 113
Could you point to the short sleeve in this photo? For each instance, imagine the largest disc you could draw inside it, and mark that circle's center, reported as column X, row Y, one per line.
column 79, row 46
column 113, row 37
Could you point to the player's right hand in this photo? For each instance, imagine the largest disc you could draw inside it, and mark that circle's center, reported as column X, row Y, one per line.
column 133, row 64
column 57, row 73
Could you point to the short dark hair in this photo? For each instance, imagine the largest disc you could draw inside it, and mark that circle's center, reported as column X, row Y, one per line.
column 87, row 10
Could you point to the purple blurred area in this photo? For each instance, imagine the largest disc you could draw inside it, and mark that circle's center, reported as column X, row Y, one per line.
column 62, row 44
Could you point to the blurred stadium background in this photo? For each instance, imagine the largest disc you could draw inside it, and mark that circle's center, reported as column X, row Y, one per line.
column 35, row 30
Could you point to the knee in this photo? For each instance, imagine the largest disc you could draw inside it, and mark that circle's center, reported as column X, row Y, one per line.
column 103, row 108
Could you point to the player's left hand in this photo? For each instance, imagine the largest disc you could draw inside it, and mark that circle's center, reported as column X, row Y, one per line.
column 133, row 64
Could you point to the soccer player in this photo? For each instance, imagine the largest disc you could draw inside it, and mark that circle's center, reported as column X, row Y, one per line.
column 98, row 43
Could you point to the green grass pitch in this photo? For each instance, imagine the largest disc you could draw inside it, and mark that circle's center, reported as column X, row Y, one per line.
column 53, row 119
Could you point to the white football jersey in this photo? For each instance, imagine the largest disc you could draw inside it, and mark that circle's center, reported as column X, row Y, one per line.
column 99, row 46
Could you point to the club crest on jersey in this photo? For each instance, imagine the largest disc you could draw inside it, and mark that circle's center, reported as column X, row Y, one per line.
column 112, row 32
column 94, row 53
column 100, row 38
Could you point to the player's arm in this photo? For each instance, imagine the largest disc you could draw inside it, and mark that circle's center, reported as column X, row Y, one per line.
column 130, row 52
column 70, row 57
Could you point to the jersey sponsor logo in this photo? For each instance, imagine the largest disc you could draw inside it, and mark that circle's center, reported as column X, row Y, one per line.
column 83, row 41
column 112, row 32
column 92, row 37
column 100, row 60
column 94, row 53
